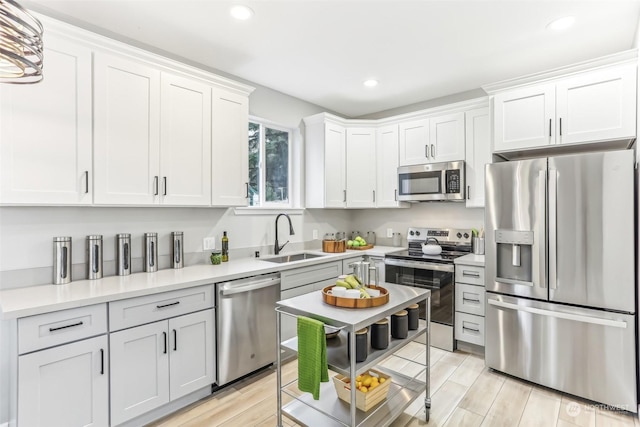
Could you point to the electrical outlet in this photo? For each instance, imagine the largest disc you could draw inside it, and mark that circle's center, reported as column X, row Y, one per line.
column 209, row 243
column 315, row 234
column 389, row 232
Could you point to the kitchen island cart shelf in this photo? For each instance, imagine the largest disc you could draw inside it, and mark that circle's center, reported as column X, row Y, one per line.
column 329, row 410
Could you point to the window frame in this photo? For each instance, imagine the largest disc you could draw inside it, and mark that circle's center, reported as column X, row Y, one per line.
column 263, row 123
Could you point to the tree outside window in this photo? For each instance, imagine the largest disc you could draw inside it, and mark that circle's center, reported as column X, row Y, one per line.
column 269, row 165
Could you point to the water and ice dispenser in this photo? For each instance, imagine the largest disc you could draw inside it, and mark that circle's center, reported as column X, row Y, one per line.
column 514, row 256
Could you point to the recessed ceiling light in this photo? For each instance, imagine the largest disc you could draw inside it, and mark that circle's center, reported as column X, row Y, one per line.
column 561, row 23
column 241, row 12
column 370, row 83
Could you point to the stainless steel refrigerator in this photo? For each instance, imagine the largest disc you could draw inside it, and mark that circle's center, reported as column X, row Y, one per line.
column 560, row 275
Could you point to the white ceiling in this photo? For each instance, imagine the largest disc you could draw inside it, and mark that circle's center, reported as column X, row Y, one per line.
column 322, row 51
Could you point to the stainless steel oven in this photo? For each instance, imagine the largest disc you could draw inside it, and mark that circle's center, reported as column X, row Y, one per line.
column 433, row 272
column 431, row 182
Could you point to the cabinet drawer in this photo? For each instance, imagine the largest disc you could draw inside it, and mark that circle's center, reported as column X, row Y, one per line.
column 470, row 274
column 59, row 327
column 470, row 328
column 137, row 311
column 305, row 275
column 470, row 299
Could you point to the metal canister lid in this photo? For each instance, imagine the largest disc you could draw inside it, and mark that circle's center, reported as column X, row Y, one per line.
column 94, row 237
column 62, row 239
column 123, row 236
column 151, row 234
column 177, row 233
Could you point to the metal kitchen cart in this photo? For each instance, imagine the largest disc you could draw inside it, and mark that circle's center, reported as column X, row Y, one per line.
column 329, row 410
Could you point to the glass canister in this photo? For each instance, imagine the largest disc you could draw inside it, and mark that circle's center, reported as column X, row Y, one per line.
column 123, row 254
column 177, row 252
column 150, row 261
column 61, row 260
column 94, row 257
column 216, row 257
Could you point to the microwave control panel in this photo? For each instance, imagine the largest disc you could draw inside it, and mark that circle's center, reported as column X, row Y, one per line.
column 452, row 177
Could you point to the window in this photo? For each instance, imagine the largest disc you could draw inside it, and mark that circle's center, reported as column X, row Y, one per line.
column 269, row 165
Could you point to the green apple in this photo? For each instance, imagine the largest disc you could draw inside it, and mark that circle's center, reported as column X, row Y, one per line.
column 349, row 243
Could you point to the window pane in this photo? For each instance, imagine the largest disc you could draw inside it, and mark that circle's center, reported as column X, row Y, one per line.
column 277, row 166
column 254, row 164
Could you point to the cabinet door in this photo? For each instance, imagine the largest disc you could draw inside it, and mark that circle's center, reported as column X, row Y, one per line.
column 45, row 131
column 230, row 149
column 524, row 118
column 139, row 370
column 185, row 142
column 414, row 143
column 477, row 154
column 387, row 167
column 361, row 168
column 127, row 125
column 65, row 386
column 192, row 352
column 446, row 138
column 597, row 106
column 335, row 161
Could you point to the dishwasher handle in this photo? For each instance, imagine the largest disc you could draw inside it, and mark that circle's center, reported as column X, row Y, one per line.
column 250, row 286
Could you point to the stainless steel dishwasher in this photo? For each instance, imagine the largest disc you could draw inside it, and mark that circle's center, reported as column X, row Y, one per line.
column 246, row 324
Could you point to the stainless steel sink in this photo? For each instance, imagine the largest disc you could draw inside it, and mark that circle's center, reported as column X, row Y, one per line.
column 295, row 257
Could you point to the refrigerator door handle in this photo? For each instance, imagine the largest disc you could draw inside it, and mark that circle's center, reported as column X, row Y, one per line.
column 553, row 229
column 541, row 237
column 559, row 314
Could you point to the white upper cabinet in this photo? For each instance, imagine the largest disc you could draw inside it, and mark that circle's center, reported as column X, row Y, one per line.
column 335, row 178
column 230, row 149
column 587, row 107
column 45, row 131
column 185, row 141
column 387, row 167
column 361, row 167
column 446, row 138
column 597, row 106
column 523, row 118
column 477, row 153
column 127, row 131
column 414, row 144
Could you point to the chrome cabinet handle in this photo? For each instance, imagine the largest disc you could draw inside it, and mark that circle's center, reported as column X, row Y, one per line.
column 549, row 128
column 344, row 192
column 86, row 182
column 471, row 300
column 468, row 192
column 395, row 194
column 433, row 151
column 477, row 331
column 164, row 335
column 175, row 340
column 374, row 196
column 155, row 185
column 560, row 126
column 80, row 323
column 164, row 179
column 467, row 273
column 426, row 150
column 247, row 184
column 102, row 361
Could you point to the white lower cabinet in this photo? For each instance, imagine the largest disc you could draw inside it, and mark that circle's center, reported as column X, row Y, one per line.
column 159, row 362
column 65, row 386
column 469, row 304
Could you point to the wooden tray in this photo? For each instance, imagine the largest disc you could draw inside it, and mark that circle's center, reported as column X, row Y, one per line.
column 361, row 248
column 353, row 302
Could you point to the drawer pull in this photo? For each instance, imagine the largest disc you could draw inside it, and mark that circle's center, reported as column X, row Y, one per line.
column 164, row 335
column 477, row 331
column 466, row 273
column 168, row 305
column 175, row 340
column 80, row 323
column 102, row 361
column 476, row 301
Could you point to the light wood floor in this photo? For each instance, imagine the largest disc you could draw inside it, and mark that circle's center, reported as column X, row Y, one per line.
column 463, row 392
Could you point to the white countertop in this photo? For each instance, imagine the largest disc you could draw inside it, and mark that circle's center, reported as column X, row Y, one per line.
column 471, row 259
column 33, row 300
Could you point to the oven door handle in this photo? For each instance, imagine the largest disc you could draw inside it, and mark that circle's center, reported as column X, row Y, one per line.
column 419, row 265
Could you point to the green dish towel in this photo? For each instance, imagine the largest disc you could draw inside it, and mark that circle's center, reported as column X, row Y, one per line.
column 312, row 356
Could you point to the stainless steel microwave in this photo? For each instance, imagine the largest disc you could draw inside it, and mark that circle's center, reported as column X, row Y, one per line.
column 431, row 182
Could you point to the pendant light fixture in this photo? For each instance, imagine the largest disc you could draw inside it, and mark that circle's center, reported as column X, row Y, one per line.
column 20, row 44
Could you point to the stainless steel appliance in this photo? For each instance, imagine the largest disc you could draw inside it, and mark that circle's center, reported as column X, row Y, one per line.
column 94, row 256
column 431, row 182
column 150, row 258
column 560, row 278
column 177, row 251
column 123, row 254
column 61, row 260
column 434, row 272
column 246, row 324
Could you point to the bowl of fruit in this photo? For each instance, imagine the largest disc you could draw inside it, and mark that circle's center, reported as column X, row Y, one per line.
column 372, row 388
column 358, row 243
column 368, row 296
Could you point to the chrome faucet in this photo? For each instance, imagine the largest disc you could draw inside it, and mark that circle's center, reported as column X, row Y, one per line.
column 277, row 248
